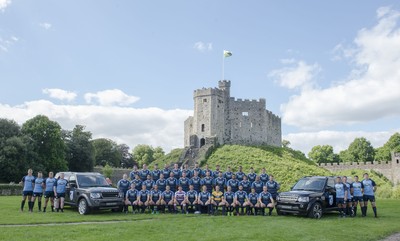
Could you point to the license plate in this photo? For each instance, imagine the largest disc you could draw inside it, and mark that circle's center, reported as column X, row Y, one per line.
column 286, row 207
column 111, row 204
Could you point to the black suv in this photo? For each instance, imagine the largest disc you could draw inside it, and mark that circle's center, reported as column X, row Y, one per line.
column 90, row 191
column 310, row 196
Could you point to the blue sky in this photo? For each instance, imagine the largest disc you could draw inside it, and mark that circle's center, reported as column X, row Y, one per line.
column 127, row 69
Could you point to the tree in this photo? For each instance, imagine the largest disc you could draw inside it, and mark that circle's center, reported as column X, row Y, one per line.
column 127, row 157
column 158, row 153
column 47, row 143
column 285, row 143
column 106, row 152
column 143, row 154
column 393, row 144
column 361, row 150
column 323, row 154
column 80, row 151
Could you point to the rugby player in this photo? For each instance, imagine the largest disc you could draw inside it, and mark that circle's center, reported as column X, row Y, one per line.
column 208, row 182
column 144, row 173
column 265, row 200
column 196, row 181
column 264, row 176
column 161, row 183
column 166, row 171
column 369, row 189
column 191, row 198
column 131, row 198
column 220, row 181
column 217, row 172
column 143, row 198
column 246, row 184
column 184, row 181
column 167, row 199
column 349, row 203
column 253, row 200
column 273, row 187
column 38, row 191
column 229, row 201
column 356, row 188
column 204, row 200
column 341, row 196
column 207, row 169
column 49, row 191
column 123, row 186
column 177, row 172
column 59, row 192
column 148, row 182
column 233, row 183
column 198, row 170
column 240, row 200
column 138, row 182
column 172, row 182
column 228, row 174
column 27, row 192
column 134, row 172
column 240, row 174
column 216, row 199
column 252, row 175
column 155, row 174
column 179, row 199
column 187, row 171
column 258, row 185
column 155, row 199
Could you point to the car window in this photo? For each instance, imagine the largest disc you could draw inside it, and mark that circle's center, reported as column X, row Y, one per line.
column 92, row 181
column 309, row 184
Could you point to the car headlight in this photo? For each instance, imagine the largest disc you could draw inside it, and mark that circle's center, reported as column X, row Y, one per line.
column 278, row 198
column 95, row 195
column 303, row 199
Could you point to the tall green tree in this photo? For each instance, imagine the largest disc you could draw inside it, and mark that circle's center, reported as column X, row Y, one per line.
column 127, row 157
column 48, row 143
column 323, row 154
column 393, row 144
column 361, row 150
column 106, row 152
column 80, row 152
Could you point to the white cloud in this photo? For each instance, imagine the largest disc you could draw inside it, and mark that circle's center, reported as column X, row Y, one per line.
column 132, row 126
column 4, row 4
column 202, row 47
column 370, row 93
column 339, row 140
column 6, row 43
column 60, row 94
column 110, row 97
column 45, row 25
column 299, row 74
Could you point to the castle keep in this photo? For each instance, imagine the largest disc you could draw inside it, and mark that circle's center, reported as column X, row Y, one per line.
column 221, row 119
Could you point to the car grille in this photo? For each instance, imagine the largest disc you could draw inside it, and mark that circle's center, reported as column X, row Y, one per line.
column 110, row 194
column 288, row 198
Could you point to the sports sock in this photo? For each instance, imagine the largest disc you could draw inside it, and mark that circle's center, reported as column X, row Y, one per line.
column 223, row 210
column 237, row 209
column 22, row 205
column 248, row 210
column 44, row 209
column 40, row 206
column 355, row 211
column 374, row 209
column 365, row 210
column 263, row 211
column 270, row 211
column 52, row 208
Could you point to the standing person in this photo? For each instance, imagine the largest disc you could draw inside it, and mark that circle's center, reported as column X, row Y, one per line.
column 144, row 173
column 216, row 199
column 273, row 187
column 220, row 181
column 264, row 176
column 228, row 174
column 207, row 169
column 349, row 203
column 233, row 183
column 196, row 181
column 265, row 200
column 123, row 186
column 208, row 181
column 38, row 191
column 246, row 184
column 187, row 171
column 341, row 196
column 229, row 201
column 166, row 171
column 161, row 183
column 240, row 200
column 167, row 199
column 198, row 170
column 253, row 200
column 148, row 182
column 356, row 188
column 252, row 175
column 138, row 182
column 258, row 185
column 143, row 198
column 177, row 172
column 191, row 198
column 27, row 191
column 131, row 198
column 204, row 200
column 172, row 182
column 49, row 191
column 179, row 199
column 59, row 192
column 155, row 200
column 369, row 189
column 133, row 173
column 155, row 174
column 240, row 174
column 217, row 172
column 184, row 181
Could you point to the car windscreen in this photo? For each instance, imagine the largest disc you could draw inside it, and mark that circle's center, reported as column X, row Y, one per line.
column 91, row 181
column 310, row 184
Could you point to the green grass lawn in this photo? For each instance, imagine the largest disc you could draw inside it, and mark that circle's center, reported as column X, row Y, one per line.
column 193, row 227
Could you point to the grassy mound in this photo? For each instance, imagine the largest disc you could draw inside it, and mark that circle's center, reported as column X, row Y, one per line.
column 170, row 158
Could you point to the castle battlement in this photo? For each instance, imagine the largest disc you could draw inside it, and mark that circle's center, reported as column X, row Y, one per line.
column 207, row 91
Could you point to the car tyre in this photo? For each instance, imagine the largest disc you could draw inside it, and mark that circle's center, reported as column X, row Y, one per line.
column 83, row 207
column 315, row 211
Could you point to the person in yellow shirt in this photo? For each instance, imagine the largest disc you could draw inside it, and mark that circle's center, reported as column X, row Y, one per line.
column 216, row 199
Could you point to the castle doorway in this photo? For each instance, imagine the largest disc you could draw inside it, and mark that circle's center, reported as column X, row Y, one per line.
column 202, row 142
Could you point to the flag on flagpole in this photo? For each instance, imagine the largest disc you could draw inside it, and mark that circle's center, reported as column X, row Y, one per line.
column 227, row 53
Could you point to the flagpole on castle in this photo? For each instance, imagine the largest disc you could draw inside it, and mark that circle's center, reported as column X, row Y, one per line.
column 225, row 54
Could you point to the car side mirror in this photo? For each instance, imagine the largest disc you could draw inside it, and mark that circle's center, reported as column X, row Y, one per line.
column 72, row 185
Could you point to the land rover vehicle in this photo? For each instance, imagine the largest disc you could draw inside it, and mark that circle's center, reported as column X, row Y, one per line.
column 311, row 196
column 90, row 191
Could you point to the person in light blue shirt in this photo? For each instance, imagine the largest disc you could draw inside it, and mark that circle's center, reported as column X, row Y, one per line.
column 369, row 189
column 349, row 203
column 49, row 191
column 59, row 192
column 341, row 195
column 38, row 191
column 27, row 191
column 356, row 188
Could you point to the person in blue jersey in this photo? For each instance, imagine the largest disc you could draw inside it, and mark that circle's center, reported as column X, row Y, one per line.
column 131, row 198
column 186, row 170
column 208, row 181
column 341, row 196
column 138, row 182
column 273, row 187
column 27, row 191
column 228, row 201
column 264, row 177
column 240, row 174
column 228, row 174
column 60, row 188
column 258, row 185
column 184, row 182
column 240, row 200
column 172, row 182
column 369, row 189
column 265, row 200
column 217, row 172
column 198, row 170
column 349, row 203
column 143, row 199
column 356, row 189
column 176, row 171
column 252, row 208
column 207, row 169
column 49, row 191
column 155, row 174
column 155, row 200
column 220, row 181
column 179, row 200
column 246, row 184
column 161, row 183
column 38, row 191
column 166, row 171
column 123, row 186
column 196, row 181
column 252, row 175
column 133, row 173
column 167, row 199
column 191, row 198
column 233, row 183
column 204, row 201
column 148, row 182
column 216, row 199
column 144, row 173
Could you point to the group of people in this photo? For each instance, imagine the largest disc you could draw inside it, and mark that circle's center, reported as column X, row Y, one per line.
column 52, row 188
column 198, row 190
column 349, row 196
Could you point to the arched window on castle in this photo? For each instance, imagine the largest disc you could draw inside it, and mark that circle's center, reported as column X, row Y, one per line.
column 203, row 127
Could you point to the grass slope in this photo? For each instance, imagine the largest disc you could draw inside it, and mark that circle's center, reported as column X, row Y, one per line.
column 190, row 227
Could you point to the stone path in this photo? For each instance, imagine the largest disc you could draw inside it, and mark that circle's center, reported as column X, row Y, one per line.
column 393, row 237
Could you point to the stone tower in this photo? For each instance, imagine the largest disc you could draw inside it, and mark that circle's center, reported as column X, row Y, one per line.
column 220, row 119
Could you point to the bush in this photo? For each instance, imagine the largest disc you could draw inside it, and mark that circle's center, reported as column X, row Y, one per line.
column 108, row 171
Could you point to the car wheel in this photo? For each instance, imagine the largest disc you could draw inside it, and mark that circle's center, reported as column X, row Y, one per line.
column 279, row 212
column 315, row 211
column 83, row 207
